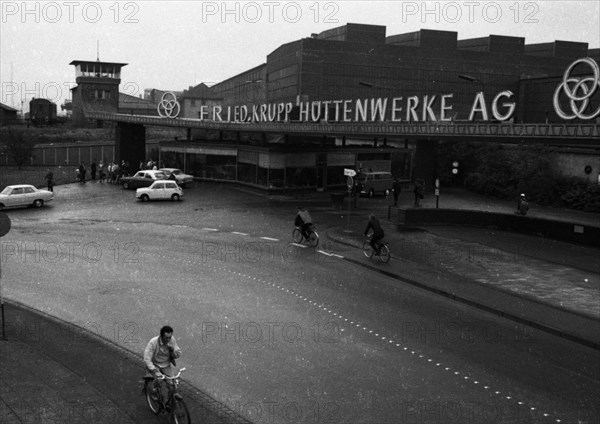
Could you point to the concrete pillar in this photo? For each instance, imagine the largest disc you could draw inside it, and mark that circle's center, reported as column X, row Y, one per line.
column 425, row 161
column 130, row 143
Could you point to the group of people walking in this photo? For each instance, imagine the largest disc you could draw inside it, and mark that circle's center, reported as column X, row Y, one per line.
column 110, row 173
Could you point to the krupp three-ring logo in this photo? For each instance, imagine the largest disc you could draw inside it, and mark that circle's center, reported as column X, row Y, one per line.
column 168, row 106
column 578, row 91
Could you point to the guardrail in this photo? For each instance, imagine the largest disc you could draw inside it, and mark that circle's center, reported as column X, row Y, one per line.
column 558, row 230
column 587, row 132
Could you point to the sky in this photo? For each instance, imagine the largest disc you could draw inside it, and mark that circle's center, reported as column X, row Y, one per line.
column 171, row 45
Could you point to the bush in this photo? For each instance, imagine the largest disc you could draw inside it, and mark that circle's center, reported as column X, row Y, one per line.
column 505, row 172
column 583, row 196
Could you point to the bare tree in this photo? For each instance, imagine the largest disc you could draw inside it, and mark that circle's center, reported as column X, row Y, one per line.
column 17, row 146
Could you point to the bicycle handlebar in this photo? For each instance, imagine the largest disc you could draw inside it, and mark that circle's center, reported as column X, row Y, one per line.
column 166, row 377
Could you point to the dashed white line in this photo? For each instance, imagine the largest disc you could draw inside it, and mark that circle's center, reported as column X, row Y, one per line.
column 237, row 233
column 269, row 239
column 508, row 397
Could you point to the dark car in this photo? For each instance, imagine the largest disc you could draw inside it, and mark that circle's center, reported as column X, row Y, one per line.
column 142, row 179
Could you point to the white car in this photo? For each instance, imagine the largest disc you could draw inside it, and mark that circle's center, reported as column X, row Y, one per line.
column 163, row 189
column 24, row 195
column 181, row 178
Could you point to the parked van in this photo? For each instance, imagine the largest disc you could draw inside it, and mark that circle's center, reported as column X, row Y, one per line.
column 371, row 183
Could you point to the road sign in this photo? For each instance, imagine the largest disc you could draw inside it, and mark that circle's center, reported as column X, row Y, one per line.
column 349, row 172
column 350, row 182
column 4, row 224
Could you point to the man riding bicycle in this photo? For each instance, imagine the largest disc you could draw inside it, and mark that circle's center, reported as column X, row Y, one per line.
column 304, row 221
column 159, row 354
column 378, row 233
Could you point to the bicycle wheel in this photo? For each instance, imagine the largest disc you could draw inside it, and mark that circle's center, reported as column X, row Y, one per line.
column 180, row 413
column 297, row 235
column 313, row 239
column 384, row 254
column 367, row 249
column 153, row 397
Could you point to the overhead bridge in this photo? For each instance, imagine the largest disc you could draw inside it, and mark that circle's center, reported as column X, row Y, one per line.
column 554, row 133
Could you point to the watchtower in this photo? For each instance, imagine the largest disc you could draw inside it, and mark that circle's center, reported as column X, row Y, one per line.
column 97, row 88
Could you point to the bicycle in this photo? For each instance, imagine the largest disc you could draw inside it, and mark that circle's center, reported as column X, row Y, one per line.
column 175, row 405
column 313, row 237
column 384, row 251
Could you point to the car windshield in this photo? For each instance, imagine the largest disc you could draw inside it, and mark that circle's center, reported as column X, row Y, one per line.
column 160, row 175
column 6, row 190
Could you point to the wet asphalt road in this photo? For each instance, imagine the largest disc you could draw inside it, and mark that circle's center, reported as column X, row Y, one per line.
column 279, row 332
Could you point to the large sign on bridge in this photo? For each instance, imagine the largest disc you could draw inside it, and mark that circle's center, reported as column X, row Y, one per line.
column 427, row 108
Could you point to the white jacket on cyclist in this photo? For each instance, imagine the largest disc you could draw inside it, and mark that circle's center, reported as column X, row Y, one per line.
column 158, row 354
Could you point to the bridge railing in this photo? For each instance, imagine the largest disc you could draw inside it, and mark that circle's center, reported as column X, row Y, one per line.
column 429, row 129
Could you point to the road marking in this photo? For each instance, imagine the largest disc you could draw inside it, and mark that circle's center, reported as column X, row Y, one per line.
column 238, row 233
column 298, row 245
column 209, row 229
column 384, row 338
column 269, row 239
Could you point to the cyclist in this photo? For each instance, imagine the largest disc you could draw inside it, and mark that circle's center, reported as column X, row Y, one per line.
column 304, row 221
column 378, row 233
column 159, row 354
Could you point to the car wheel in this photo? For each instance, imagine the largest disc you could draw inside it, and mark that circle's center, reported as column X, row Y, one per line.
column 144, row 198
column 38, row 203
column 175, row 197
column 126, row 185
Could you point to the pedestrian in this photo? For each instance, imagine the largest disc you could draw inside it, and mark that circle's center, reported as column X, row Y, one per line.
column 101, row 172
column 50, row 178
column 419, row 190
column 397, row 188
column 110, row 172
column 82, row 172
column 522, row 205
column 116, row 172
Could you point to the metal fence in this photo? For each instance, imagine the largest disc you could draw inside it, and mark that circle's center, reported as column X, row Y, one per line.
column 35, row 175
